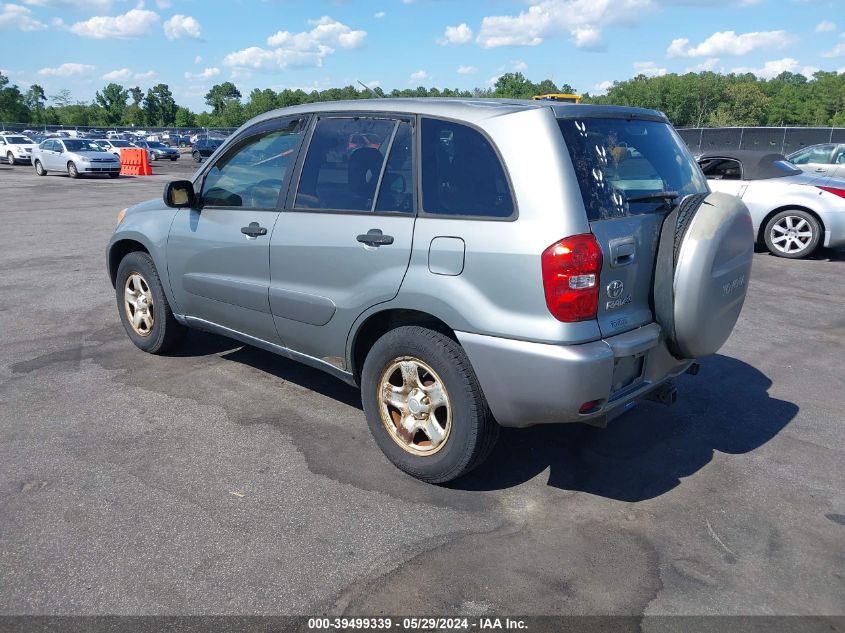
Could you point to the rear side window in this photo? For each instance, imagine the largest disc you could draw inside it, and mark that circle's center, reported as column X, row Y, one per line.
column 461, row 173
column 617, row 160
column 397, row 184
column 815, row 154
column 722, row 169
column 344, row 163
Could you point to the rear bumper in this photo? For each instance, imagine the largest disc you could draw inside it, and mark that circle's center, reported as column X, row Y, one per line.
column 535, row 383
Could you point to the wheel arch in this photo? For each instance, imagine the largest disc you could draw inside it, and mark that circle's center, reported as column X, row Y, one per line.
column 761, row 231
column 379, row 323
column 121, row 249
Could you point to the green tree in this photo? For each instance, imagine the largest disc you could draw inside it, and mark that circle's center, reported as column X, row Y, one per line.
column 62, row 98
column 12, row 106
column 113, row 102
column 221, row 95
column 185, row 118
column 35, row 100
column 260, row 101
column 514, row 86
column 159, row 106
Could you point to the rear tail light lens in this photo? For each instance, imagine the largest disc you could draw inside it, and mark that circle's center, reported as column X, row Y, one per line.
column 571, row 270
column 834, row 191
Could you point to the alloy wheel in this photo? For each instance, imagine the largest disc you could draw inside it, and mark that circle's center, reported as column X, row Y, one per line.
column 414, row 406
column 138, row 304
column 791, row 234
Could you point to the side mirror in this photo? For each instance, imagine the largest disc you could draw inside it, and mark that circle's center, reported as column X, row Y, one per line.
column 179, row 194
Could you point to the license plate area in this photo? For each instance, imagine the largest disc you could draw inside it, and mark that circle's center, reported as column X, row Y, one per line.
column 627, row 373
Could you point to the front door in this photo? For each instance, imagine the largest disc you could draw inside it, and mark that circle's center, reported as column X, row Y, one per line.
column 345, row 243
column 219, row 254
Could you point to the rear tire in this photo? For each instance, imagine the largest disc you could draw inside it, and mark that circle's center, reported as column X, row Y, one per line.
column 114, row 175
column 792, row 234
column 429, row 376
column 156, row 330
column 72, row 170
column 197, row 157
column 39, row 168
column 174, row 158
column 153, row 157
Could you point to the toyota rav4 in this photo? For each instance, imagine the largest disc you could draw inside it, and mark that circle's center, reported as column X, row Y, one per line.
column 479, row 263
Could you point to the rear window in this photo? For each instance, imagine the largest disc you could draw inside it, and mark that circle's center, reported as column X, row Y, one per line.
column 616, row 160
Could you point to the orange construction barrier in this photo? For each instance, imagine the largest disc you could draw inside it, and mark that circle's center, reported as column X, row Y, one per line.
column 135, row 162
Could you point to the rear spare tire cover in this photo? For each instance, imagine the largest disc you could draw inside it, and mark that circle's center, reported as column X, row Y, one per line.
column 701, row 273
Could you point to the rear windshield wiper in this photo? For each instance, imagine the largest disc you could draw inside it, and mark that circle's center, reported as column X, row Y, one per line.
column 668, row 196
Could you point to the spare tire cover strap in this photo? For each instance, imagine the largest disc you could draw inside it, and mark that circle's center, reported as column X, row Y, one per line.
column 671, row 235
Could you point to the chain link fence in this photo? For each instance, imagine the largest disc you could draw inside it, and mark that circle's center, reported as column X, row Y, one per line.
column 783, row 140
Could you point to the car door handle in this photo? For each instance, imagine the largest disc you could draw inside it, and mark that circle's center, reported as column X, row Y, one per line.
column 623, row 251
column 253, row 230
column 821, row 168
column 374, row 237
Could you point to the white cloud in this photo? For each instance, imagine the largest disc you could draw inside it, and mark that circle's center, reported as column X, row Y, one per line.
column 134, row 23
column 205, row 75
column 307, row 48
column 710, row 64
column 14, row 16
column 825, row 26
column 164, row 4
column 418, row 76
column 69, row 69
column 519, row 65
column 146, row 76
column 649, row 69
column 728, row 43
column 180, row 26
column 198, row 59
column 70, row 4
column 582, row 20
column 122, row 74
column 467, row 70
column 836, row 51
column 460, row 34
column 378, row 15
column 775, row 67
column 601, row 88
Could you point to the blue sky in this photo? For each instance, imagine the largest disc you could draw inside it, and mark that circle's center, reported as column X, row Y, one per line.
column 190, row 45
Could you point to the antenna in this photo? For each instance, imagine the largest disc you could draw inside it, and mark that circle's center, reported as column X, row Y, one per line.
column 366, row 87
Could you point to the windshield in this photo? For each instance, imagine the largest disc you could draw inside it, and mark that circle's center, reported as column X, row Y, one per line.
column 78, row 145
column 155, row 144
column 18, row 140
column 617, row 160
column 119, row 143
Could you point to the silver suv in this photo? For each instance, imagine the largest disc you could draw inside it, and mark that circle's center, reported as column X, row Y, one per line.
column 468, row 264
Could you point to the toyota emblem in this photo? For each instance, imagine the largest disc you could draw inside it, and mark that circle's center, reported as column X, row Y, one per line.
column 615, row 288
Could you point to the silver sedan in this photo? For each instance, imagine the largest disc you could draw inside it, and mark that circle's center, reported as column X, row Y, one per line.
column 827, row 159
column 75, row 156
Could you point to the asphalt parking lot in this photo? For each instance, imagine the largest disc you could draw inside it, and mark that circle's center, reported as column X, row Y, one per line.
column 224, row 480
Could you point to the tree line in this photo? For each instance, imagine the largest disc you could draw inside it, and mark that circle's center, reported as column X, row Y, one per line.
column 704, row 99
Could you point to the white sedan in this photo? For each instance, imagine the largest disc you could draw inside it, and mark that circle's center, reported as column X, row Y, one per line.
column 16, row 148
column 793, row 212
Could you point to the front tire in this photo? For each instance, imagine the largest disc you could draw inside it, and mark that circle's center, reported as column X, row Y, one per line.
column 72, row 170
column 153, row 157
column 424, row 405
column 10, row 158
column 197, row 157
column 143, row 306
column 39, row 168
column 792, row 234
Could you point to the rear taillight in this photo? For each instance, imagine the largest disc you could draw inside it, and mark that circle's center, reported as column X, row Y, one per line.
column 834, row 191
column 571, row 270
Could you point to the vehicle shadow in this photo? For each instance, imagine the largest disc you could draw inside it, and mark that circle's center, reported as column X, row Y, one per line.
column 206, row 344
column 829, row 255
column 646, row 452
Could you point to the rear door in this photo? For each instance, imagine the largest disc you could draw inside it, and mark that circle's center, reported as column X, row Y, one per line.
column 815, row 160
column 343, row 243
column 619, row 163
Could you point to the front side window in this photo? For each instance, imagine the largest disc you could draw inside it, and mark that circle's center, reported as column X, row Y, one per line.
column 461, row 173
column 815, row 154
column 251, row 173
column 344, row 164
column 620, row 164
